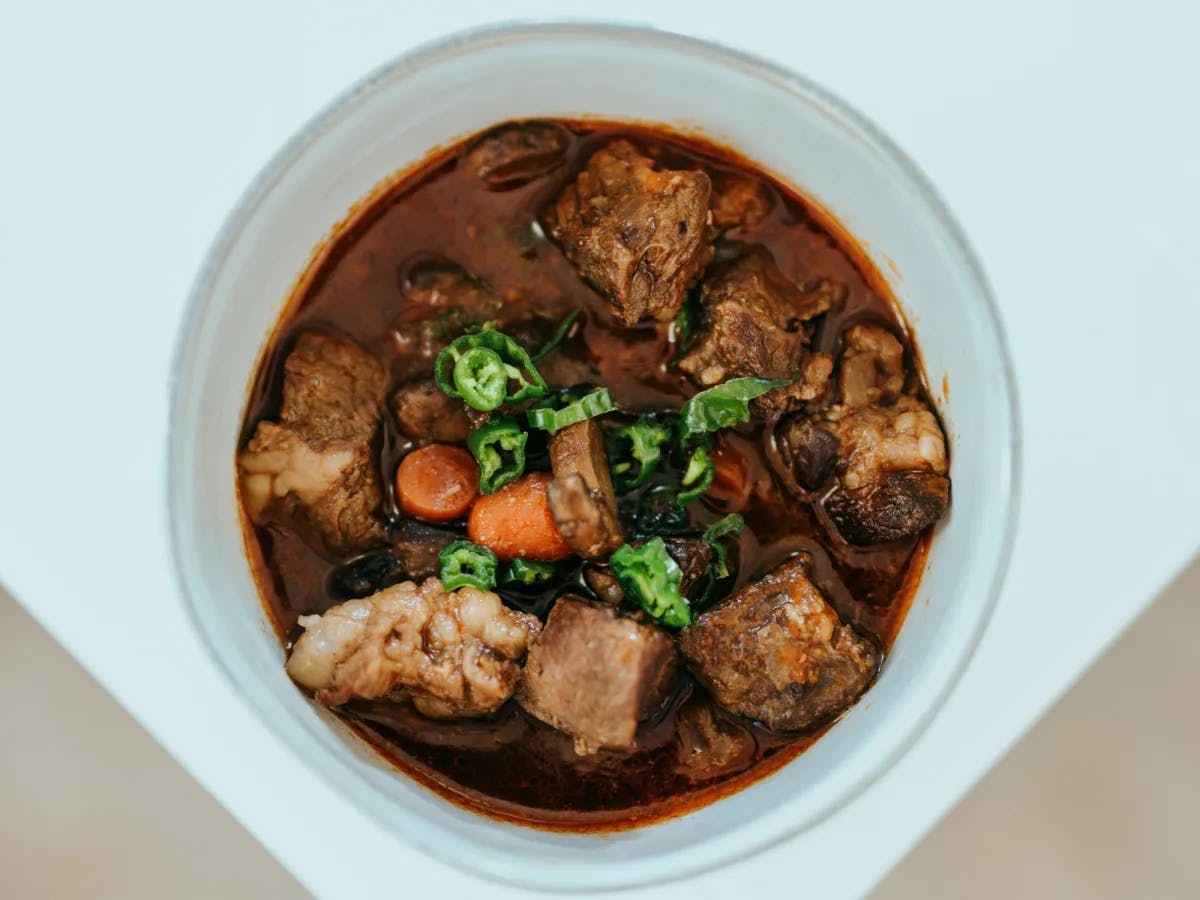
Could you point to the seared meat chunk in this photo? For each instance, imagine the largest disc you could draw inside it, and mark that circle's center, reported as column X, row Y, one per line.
column 425, row 414
column 417, row 545
column 582, row 498
column 516, row 153
column 711, row 744
column 595, row 674
column 739, row 202
column 891, row 459
column 753, row 323
column 640, row 236
column 454, row 654
column 775, row 651
column 604, row 584
column 315, row 463
column 891, row 471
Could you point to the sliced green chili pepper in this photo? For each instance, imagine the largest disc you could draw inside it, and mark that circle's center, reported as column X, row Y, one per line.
column 696, row 477
column 730, row 524
column 476, row 368
column 528, row 572
column 650, row 576
column 686, row 321
column 635, row 451
column 481, row 378
column 499, row 448
column 726, row 404
column 466, row 564
column 557, row 338
column 588, row 406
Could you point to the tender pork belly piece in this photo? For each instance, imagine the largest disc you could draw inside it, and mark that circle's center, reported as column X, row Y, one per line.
column 517, row 153
column 775, row 651
column 427, row 415
column 454, row 654
column 753, row 323
column 739, row 202
column 640, row 236
column 595, row 674
column 582, row 498
column 316, row 463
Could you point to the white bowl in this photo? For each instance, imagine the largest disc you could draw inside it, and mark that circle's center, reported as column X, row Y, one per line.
column 442, row 92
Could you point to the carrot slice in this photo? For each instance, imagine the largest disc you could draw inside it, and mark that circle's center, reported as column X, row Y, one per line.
column 437, row 483
column 516, row 522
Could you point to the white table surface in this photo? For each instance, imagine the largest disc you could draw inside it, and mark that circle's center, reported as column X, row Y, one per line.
column 1066, row 142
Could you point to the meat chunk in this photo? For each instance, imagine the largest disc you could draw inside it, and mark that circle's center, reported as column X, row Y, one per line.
column 891, row 458
column 315, row 463
column 582, row 498
column 640, row 236
column 454, row 654
column 514, row 154
column 775, row 651
column 891, row 471
column 604, row 584
column 739, row 202
column 595, row 674
column 753, row 323
column 710, row 744
column 425, row 414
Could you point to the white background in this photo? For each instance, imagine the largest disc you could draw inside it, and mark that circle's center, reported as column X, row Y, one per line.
column 1064, row 138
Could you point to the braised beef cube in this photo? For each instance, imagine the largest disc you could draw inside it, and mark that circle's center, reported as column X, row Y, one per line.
column 416, row 547
column 316, row 464
column 892, row 468
column 517, row 153
column 595, row 675
column 739, row 202
column 711, row 744
column 641, row 236
column 582, row 498
column 753, row 322
column 426, row 414
column 776, row 651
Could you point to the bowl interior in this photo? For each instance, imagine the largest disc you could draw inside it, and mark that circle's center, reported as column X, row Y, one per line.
column 454, row 88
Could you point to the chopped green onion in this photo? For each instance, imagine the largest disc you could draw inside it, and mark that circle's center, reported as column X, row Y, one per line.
column 468, row 565
column 557, row 338
column 499, row 448
column 528, row 572
column 588, row 406
column 696, row 477
column 477, row 369
column 730, row 524
column 634, row 451
column 650, row 576
column 726, row 404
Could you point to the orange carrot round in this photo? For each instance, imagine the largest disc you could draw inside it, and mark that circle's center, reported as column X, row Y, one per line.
column 516, row 522
column 437, row 483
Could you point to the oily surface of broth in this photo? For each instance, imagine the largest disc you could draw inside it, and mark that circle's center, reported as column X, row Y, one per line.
column 512, row 765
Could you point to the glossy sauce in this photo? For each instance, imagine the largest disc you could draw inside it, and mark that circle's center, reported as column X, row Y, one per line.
column 512, row 765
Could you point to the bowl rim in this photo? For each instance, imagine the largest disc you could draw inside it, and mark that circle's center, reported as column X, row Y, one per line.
column 479, row 37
